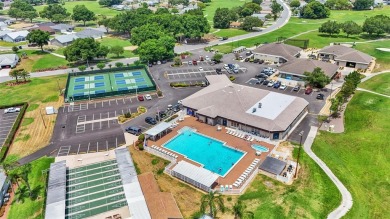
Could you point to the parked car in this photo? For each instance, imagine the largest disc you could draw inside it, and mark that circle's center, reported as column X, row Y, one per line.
column 248, row 53
column 189, row 62
column 219, row 71
column 256, row 61
column 282, row 87
column 148, row 97
column 12, row 110
column 164, row 61
column 200, row 68
column 160, row 115
column 308, row 90
column 158, row 63
column 246, row 59
column 176, row 108
column 261, row 62
column 135, row 130
column 150, row 65
column 320, row 96
column 140, row 98
column 169, row 107
column 265, row 82
column 150, row 120
column 297, row 88
column 277, row 84
column 261, row 75
column 226, row 66
column 225, row 38
column 270, row 84
column 208, row 58
column 194, row 62
column 260, row 80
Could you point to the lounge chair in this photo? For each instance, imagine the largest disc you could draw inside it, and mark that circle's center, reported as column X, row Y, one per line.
column 226, row 187
column 176, row 156
column 230, row 187
column 243, row 136
column 235, row 184
column 247, row 171
column 221, row 188
column 228, row 131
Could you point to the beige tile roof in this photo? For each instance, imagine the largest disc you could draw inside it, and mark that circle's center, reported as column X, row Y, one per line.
column 228, row 100
column 300, row 66
column 344, row 53
column 278, row 49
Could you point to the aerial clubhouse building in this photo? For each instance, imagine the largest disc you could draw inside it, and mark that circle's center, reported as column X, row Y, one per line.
column 277, row 53
column 345, row 56
column 260, row 112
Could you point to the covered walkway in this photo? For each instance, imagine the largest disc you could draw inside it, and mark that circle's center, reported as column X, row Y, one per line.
column 158, row 130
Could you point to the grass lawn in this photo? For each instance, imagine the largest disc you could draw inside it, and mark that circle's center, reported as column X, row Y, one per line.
column 313, row 195
column 360, row 156
column 9, row 44
column 297, row 25
column 379, row 84
column 33, row 208
column 382, row 58
column 231, row 32
column 209, row 11
column 37, row 60
column 91, row 5
column 39, row 93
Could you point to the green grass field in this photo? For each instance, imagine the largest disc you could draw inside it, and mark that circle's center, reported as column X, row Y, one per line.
column 34, row 92
column 313, row 195
column 230, row 32
column 379, row 84
column 37, row 60
column 33, row 208
column 360, row 156
column 382, row 58
column 91, row 5
column 209, row 11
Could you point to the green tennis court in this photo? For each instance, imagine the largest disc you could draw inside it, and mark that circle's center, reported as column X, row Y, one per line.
column 88, row 84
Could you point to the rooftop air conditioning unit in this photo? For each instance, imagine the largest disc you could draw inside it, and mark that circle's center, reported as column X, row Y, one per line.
column 253, row 110
column 260, row 105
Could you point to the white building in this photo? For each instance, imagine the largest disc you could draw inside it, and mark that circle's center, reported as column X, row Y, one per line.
column 8, row 60
column 17, row 36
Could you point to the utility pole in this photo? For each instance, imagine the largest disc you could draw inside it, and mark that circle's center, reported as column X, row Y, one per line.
column 299, row 153
column 43, row 121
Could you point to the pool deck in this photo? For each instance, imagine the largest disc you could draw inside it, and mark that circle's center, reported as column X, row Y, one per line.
column 230, row 140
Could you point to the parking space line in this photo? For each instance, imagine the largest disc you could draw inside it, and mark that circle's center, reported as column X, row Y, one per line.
column 106, row 145
column 97, row 146
column 78, row 150
column 89, row 143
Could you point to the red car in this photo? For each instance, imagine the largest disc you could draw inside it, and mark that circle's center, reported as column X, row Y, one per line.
column 140, row 98
column 308, row 90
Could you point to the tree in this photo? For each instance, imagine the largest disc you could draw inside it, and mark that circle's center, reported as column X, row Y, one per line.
column 214, row 202
column 257, row 1
column 251, row 22
column 222, row 18
column 23, row 172
column 351, row 28
column 162, row 11
column 145, row 32
column 15, row 74
column 177, row 61
column 22, row 9
column 317, row 78
column 15, row 49
column 378, row 25
column 239, row 211
column 55, row 13
column 105, row 22
column 315, row 10
column 194, row 26
column 295, row 4
column 355, row 77
column 151, row 50
column 24, row 74
column 84, row 50
column 109, row 3
column 330, row 27
column 9, row 164
column 117, row 50
column 218, row 57
column 1, row 5
column 276, row 8
column 119, row 64
column 82, row 68
column 338, row 4
column 363, row 4
column 335, row 106
column 39, row 37
column 81, row 13
column 101, row 65
column 30, row 15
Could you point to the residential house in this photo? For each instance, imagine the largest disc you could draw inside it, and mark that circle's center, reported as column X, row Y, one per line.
column 61, row 28
column 8, row 60
column 276, row 52
column 63, row 40
column 17, row 36
column 44, row 28
column 260, row 16
column 235, row 24
column 4, row 185
column 90, row 32
column 3, row 33
column 292, row 73
column 345, row 56
column 46, row 24
column 8, row 21
column 3, row 26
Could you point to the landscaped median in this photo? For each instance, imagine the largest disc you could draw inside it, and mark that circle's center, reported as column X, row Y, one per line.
column 182, row 84
column 14, row 128
column 129, row 116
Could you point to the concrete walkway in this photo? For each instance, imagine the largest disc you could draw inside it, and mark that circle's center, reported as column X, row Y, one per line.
column 346, row 202
column 370, row 75
column 369, row 91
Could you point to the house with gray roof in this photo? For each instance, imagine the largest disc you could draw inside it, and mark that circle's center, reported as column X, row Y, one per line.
column 3, row 26
column 60, row 28
column 276, row 52
column 260, row 16
column 8, row 60
column 260, row 112
column 345, row 56
column 63, row 40
column 90, row 32
column 17, row 36
column 3, row 33
column 292, row 73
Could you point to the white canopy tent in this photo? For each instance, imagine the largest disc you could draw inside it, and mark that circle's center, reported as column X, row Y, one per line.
column 158, row 130
column 196, row 176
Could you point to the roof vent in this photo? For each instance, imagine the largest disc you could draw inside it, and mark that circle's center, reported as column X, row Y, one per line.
column 260, row 105
column 253, row 110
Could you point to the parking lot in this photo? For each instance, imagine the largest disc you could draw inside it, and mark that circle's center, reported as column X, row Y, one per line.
column 6, row 123
column 190, row 73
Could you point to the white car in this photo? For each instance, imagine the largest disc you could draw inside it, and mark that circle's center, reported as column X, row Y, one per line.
column 180, row 102
column 200, row 69
column 189, row 62
column 282, row 87
column 208, row 58
column 148, row 97
column 270, row 84
column 12, row 110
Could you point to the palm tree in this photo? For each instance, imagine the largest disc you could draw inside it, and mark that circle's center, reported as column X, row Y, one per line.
column 214, row 202
column 23, row 173
column 24, row 74
column 9, row 165
column 14, row 74
column 239, row 211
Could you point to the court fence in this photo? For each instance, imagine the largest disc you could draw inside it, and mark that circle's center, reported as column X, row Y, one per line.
column 111, row 93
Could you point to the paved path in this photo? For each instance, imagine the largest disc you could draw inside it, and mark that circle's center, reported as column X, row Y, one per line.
column 283, row 19
column 369, row 91
column 346, row 202
column 370, row 75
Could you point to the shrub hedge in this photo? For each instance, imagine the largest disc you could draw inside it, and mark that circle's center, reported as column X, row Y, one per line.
column 14, row 128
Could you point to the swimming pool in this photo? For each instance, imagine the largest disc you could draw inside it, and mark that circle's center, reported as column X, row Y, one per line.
column 211, row 153
column 260, row 148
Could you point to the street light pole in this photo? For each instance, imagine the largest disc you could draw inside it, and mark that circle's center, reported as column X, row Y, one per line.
column 43, row 121
column 299, row 153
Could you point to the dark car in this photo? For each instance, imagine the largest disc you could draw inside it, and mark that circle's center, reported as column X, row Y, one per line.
column 160, row 115
column 141, row 98
column 248, row 53
column 176, row 108
column 256, row 61
column 194, row 62
column 150, row 65
column 150, row 120
column 261, row 62
column 134, row 130
column 297, row 88
column 261, row 75
column 260, row 80
column 320, row 96
column 246, row 59
column 277, row 84
column 225, row 38
column 308, row 90
column 265, row 82
column 164, row 61
column 219, row 71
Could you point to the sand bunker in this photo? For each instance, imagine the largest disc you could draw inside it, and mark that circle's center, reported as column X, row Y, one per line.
column 384, row 49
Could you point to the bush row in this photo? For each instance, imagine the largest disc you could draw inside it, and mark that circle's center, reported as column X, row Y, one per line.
column 174, row 84
column 171, row 118
column 15, row 127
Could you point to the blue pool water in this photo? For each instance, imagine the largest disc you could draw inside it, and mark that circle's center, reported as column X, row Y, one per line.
column 260, row 148
column 207, row 151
